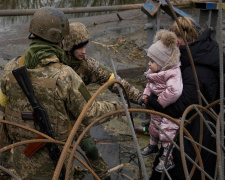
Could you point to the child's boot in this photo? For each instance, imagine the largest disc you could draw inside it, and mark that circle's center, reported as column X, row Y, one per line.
column 169, row 165
column 150, row 150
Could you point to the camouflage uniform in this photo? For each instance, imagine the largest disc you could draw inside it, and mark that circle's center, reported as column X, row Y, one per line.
column 63, row 94
column 4, row 157
column 91, row 71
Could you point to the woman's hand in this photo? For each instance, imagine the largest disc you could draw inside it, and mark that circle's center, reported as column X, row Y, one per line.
column 180, row 42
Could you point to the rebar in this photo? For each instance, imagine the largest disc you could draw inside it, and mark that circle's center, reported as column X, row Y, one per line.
column 218, row 148
column 190, row 108
column 81, row 136
column 220, row 39
column 9, row 172
column 204, row 120
column 119, row 112
column 6, row 148
column 140, row 158
column 76, row 125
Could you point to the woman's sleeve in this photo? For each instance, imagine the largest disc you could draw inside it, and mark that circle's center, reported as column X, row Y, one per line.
column 174, row 110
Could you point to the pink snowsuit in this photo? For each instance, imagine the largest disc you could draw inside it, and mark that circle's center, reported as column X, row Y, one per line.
column 168, row 86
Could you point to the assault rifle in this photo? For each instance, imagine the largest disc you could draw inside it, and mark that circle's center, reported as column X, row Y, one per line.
column 40, row 115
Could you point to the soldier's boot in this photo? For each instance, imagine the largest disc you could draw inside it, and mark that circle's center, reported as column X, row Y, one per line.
column 100, row 168
column 98, row 164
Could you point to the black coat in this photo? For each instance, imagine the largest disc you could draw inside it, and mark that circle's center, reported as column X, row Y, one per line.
column 205, row 53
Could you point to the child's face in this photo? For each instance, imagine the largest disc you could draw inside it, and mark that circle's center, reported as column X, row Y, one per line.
column 153, row 66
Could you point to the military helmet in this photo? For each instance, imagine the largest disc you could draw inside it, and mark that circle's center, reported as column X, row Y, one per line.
column 78, row 35
column 50, row 24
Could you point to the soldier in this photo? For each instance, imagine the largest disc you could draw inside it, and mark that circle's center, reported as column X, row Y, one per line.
column 57, row 88
column 89, row 69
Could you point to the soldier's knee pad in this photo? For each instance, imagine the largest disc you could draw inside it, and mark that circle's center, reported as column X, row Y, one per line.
column 90, row 149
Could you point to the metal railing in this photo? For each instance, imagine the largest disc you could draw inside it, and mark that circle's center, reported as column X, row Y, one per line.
column 26, row 12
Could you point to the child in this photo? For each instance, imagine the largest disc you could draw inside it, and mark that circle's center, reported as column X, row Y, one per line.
column 164, row 80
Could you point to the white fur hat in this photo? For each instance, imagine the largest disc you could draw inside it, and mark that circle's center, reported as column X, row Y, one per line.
column 164, row 50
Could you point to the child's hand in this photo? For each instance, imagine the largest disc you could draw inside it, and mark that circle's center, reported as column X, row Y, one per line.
column 140, row 101
column 145, row 98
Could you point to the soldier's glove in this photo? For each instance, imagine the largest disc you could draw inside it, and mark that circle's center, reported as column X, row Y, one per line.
column 90, row 149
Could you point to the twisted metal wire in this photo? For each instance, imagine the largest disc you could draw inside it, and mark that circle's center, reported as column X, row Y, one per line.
column 97, row 120
column 47, row 140
column 140, row 158
column 140, row 111
column 9, row 172
column 103, row 117
column 220, row 39
column 209, row 106
column 69, row 163
column 190, row 108
column 218, row 148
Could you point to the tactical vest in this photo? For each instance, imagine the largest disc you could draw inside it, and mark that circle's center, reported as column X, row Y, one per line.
column 44, row 85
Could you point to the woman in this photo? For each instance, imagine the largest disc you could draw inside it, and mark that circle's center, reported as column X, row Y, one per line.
column 205, row 53
column 164, row 80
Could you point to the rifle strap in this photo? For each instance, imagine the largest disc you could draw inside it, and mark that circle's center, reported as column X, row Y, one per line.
column 32, row 148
